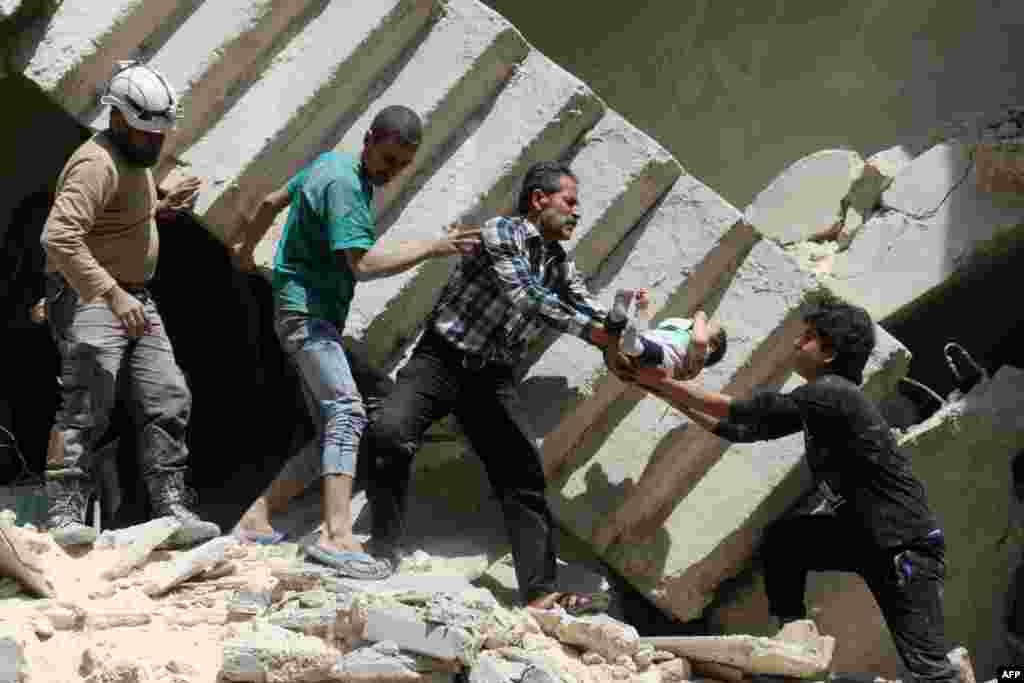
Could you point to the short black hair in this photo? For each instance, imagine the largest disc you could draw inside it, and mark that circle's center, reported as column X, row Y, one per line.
column 848, row 332
column 720, row 341
column 545, row 176
column 398, row 121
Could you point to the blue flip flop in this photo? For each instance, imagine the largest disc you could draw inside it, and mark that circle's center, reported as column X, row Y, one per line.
column 354, row 565
column 257, row 538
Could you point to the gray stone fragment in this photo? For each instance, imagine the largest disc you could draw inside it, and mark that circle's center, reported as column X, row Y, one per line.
column 14, row 666
column 264, row 653
column 245, row 604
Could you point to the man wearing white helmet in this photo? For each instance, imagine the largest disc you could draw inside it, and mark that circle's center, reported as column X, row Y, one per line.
column 102, row 244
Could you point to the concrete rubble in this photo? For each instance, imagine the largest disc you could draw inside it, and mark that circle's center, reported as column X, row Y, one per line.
column 277, row 619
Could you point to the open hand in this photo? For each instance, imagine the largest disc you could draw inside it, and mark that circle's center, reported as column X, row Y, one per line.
column 459, row 239
column 182, row 195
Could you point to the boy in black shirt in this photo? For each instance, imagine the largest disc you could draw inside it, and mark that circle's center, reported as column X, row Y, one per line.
column 883, row 529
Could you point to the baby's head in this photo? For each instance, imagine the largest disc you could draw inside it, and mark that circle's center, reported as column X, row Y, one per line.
column 718, row 341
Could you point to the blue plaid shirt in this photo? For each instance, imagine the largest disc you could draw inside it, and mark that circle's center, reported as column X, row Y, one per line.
column 504, row 295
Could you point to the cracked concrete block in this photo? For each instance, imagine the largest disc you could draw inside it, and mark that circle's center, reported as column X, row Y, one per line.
column 805, row 198
column 682, row 252
column 82, row 41
column 326, row 70
column 538, row 115
column 891, row 161
column 678, row 509
column 264, row 653
column 434, row 640
column 310, row 619
column 14, row 665
column 937, row 227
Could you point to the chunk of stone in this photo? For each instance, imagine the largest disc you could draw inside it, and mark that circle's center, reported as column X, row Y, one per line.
column 442, row 642
column 18, row 562
column 308, row 616
column 14, row 665
column 491, row 668
column 719, row 672
column 264, row 653
column 247, row 604
column 675, row 670
column 602, row 634
column 753, row 654
column 189, row 564
column 806, row 197
column 383, row 662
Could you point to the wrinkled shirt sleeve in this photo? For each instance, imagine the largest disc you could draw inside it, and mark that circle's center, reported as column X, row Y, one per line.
column 511, row 266
column 86, row 186
column 765, row 416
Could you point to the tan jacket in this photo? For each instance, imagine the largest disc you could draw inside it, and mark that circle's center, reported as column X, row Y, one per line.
column 102, row 227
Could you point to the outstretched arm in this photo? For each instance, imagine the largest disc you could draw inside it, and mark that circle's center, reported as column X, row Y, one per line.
column 768, row 415
column 251, row 231
column 380, row 261
column 510, row 265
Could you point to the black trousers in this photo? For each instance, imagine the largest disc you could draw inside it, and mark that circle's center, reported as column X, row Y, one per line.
column 906, row 582
column 440, row 380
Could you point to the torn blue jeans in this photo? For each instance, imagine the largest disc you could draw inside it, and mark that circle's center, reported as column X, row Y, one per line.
column 314, row 347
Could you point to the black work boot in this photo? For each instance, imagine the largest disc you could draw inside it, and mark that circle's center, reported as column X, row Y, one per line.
column 169, row 497
column 68, row 492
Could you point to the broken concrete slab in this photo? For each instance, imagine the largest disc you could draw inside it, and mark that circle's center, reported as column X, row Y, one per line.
column 446, row 643
column 325, row 69
column 683, row 253
column 537, row 116
column 938, row 227
column 890, row 162
column 135, row 544
column 264, row 653
column 753, row 654
column 805, row 198
column 600, row 633
column 382, row 661
column 248, row 604
column 191, row 563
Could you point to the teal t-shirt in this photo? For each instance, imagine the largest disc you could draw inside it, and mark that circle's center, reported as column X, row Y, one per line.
column 331, row 210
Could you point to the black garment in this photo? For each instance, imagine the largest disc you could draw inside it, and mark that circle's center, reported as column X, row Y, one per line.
column 850, row 447
column 439, row 380
column 906, row 582
column 883, row 529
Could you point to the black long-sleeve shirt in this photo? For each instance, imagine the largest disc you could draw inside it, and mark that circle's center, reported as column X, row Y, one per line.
column 849, row 445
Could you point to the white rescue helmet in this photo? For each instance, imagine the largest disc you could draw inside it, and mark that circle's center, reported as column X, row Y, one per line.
column 144, row 96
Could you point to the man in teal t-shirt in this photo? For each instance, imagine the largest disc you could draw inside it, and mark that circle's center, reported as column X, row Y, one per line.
column 329, row 243
column 332, row 210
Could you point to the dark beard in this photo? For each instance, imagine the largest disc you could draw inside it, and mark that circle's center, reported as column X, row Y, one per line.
column 136, row 156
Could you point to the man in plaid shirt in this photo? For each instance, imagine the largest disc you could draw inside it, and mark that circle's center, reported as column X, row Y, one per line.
column 497, row 301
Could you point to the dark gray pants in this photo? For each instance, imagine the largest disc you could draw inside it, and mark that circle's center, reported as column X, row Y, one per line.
column 906, row 582
column 99, row 359
column 433, row 384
